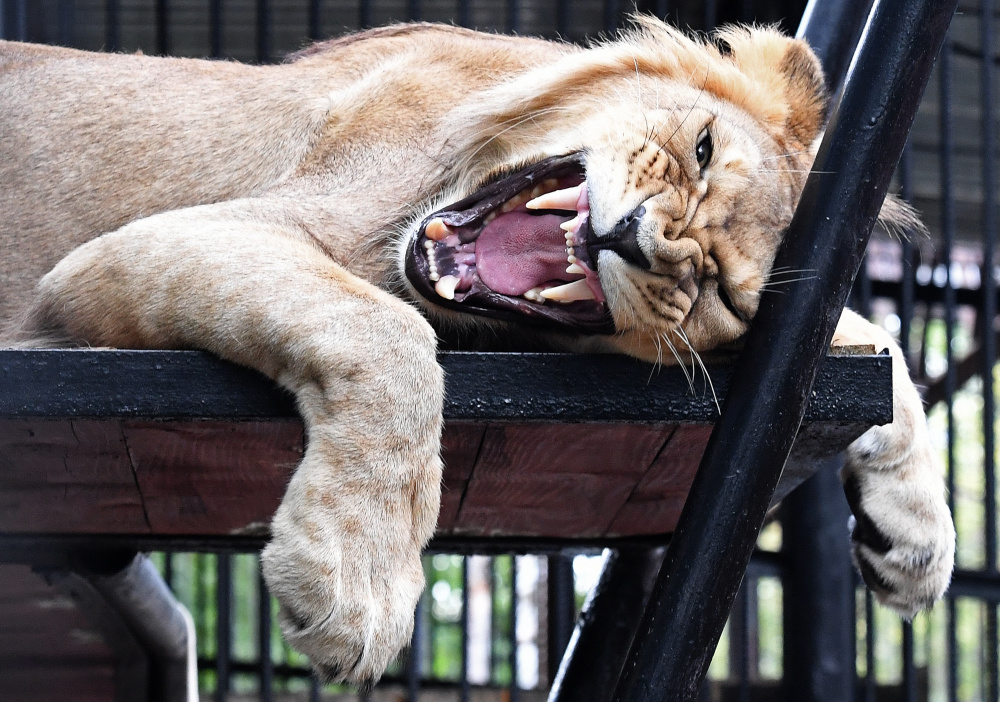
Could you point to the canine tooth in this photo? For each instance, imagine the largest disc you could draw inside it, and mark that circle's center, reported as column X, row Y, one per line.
column 570, row 225
column 446, row 287
column 436, row 229
column 557, row 199
column 575, row 269
column 577, row 290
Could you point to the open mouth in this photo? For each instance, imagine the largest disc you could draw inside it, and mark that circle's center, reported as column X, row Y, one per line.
column 516, row 249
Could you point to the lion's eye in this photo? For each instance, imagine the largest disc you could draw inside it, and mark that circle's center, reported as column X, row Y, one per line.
column 704, row 149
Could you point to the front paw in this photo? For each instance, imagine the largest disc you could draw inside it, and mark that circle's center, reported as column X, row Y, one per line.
column 344, row 564
column 902, row 536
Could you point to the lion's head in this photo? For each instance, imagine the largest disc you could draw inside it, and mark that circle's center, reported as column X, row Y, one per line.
column 637, row 189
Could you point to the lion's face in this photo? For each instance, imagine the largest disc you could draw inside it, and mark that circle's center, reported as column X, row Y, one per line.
column 657, row 224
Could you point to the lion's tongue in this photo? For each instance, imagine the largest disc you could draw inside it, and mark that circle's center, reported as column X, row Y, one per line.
column 519, row 251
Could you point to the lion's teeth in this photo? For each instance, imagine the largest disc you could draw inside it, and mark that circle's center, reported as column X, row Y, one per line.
column 577, row 290
column 575, row 269
column 446, row 287
column 489, row 218
column 557, row 199
column 436, row 229
column 534, row 295
column 570, row 225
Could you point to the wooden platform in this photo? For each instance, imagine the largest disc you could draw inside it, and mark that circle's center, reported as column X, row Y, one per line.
column 181, row 444
column 176, row 449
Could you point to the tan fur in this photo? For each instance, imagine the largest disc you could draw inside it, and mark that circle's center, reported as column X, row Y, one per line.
column 255, row 212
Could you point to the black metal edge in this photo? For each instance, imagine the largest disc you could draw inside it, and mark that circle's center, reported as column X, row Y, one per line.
column 83, row 383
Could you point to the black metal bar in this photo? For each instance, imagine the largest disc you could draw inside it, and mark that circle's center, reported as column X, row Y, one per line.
column 546, row 387
column 365, row 14
column 111, row 19
column 314, row 692
column 265, row 666
column 988, row 313
column 612, row 13
column 464, row 13
column 263, row 31
column 314, row 20
column 833, row 30
column 414, row 663
column 739, row 641
column 415, row 10
column 562, row 18
column 750, row 443
column 223, row 623
column 947, row 242
column 168, row 569
column 215, row 27
column 162, row 34
column 463, row 682
column 65, row 35
column 596, row 651
column 869, row 683
column 909, row 665
column 561, row 609
column 818, row 591
column 662, row 8
column 711, row 14
column 515, row 693
column 513, row 16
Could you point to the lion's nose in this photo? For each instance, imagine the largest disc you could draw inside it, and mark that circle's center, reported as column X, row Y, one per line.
column 622, row 240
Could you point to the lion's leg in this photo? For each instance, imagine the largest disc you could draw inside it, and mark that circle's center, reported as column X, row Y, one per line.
column 344, row 559
column 902, row 533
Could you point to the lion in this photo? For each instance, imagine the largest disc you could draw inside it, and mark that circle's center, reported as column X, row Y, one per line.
column 325, row 220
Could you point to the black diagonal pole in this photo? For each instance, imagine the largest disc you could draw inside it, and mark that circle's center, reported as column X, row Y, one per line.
column 708, row 555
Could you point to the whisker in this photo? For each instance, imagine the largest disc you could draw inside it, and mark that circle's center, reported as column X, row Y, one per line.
column 696, row 356
column 684, row 370
column 790, row 280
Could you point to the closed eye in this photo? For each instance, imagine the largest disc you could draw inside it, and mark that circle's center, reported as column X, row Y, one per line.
column 727, row 302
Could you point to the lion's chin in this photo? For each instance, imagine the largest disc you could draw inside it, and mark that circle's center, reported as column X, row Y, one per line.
column 517, row 249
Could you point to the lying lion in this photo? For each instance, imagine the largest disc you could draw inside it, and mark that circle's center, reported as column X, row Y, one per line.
column 323, row 220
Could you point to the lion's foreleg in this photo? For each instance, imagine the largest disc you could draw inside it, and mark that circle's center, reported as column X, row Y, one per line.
column 903, row 536
column 344, row 560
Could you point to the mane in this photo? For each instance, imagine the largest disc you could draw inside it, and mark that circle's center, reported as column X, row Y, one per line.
column 735, row 63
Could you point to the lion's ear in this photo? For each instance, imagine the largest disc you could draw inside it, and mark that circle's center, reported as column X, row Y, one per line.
column 788, row 73
column 805, row 90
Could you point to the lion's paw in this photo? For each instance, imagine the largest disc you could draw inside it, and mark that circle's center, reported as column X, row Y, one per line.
column 347, row 604
column 902, row 537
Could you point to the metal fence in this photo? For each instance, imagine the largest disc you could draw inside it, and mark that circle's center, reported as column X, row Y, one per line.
column 500, row 622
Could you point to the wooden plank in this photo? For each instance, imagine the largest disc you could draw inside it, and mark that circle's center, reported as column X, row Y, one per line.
column 558, row 480
column 67, row 476
column 460, row 444
column 210, row 477
column 656, row 503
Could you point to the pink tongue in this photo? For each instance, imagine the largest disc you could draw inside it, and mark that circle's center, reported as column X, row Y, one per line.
column 519, row 251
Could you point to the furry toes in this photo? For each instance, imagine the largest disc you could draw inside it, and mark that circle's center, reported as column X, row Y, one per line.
column 348, row 606
column 902, row 538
